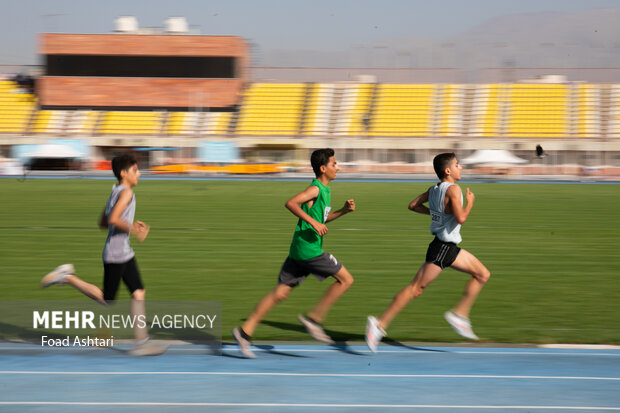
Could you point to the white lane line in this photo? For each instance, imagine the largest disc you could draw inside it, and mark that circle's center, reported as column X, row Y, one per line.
column 431, row 350
column 420, row 350
column 317, row 405
column 228, row 373
column 581, row 346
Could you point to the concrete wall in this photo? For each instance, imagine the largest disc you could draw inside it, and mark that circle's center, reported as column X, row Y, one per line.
column 138, row 92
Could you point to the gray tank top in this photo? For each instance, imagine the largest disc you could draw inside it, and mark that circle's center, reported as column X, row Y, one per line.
column 117, row 249
column 443, row 226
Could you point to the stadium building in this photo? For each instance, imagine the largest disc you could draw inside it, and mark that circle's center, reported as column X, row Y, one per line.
column 181, row 98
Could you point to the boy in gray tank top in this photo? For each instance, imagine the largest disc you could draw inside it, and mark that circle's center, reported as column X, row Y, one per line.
column 445, row 206
column 117, row 248
column 118, row 258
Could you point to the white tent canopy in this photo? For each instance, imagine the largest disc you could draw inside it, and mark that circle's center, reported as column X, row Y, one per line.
column 11, row 167
column 51, row 151
column 492, row 156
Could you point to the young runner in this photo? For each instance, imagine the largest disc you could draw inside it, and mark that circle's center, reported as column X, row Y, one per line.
column 118, row 257
column 445, row 206
column 306, row 256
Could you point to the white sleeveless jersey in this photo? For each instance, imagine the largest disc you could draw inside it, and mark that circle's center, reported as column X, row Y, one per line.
column 443, row 226
column 117, row 249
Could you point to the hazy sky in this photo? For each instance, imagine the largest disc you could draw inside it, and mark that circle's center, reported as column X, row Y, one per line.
column 325, row 25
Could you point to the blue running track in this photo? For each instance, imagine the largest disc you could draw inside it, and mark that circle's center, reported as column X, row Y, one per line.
column 311, row 378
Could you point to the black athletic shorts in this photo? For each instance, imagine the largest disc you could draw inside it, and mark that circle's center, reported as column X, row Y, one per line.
column 293, row 272
column 442, row 253
column 112, row 275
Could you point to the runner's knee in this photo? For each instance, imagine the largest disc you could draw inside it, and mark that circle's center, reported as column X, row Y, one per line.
column 279, row 295
column 483, row 276
column 138, row 294
column 418, row 291
column 346, row 282
column 345, row 279
column 412, row 291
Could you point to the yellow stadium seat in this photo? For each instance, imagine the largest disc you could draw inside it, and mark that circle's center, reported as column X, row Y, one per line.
column 270, row 108
column 131, row 123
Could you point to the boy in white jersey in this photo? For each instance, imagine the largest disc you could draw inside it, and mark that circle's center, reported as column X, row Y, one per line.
column 118, row 257
column 447, row 213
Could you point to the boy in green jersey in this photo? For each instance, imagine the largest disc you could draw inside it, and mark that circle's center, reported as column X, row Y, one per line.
column 306, row 256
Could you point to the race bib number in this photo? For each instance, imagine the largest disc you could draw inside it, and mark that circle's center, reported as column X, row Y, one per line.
column 436, row 217
column 326, row 213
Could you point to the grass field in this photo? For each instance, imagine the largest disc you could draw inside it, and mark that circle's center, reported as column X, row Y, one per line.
column 552, row 250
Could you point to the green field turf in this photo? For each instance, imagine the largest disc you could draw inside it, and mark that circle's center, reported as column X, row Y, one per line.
column 553, row 251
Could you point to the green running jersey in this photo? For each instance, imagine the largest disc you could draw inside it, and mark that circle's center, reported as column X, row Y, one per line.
column 306, row 242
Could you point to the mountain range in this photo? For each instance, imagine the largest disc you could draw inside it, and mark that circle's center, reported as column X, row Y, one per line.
column 546, row 39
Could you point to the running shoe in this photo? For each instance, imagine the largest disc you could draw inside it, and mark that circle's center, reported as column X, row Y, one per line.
column 58, row 276
column 374, row 333
column 461, row 325
column 147, row 348
column 315, row 329
column 243, row 342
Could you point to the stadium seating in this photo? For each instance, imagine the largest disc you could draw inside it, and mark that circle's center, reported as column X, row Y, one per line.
column 539, row 110
column 179, row 123
column 48, row 121
column 83, row 122
column 403, row 110
column 272, row 109
column 131, row 123
column 217, row 123
column 588, row 111
column 486, row 110
column 198, row 123
column 16, row 107
column 522, row 110
column 353, row 109
column 318, row 110
column 578, row 110
column 450, row 113
column 614, row 112
column 41, row 121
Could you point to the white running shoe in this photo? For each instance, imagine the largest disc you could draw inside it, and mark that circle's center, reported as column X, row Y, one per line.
column 58, row 276
column 461, row 325
column 374, row 333
column 243, row 343
column 315, row 330
column 147, row 348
